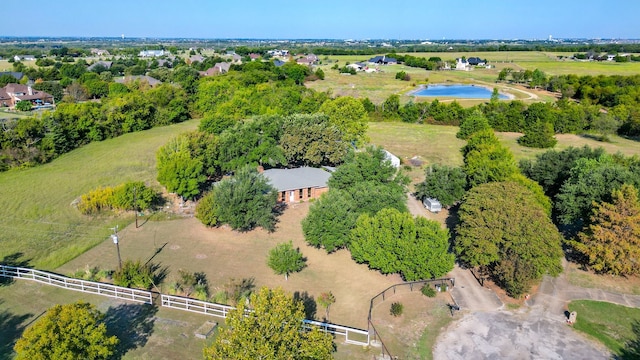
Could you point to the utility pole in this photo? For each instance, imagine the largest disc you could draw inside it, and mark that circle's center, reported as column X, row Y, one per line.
column 135, row 203
column 114, row 237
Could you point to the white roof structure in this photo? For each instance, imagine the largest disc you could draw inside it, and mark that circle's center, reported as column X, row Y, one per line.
column 298, row 178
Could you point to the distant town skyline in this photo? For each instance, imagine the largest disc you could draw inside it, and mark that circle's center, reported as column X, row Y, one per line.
column 329, row 19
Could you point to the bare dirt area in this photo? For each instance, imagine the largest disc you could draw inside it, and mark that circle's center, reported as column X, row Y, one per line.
column 223, row 254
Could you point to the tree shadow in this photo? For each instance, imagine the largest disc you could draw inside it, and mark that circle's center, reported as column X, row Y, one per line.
column 11, row 328
column 451, row 222
column 132, row 324
column 309, row 303
column 15, row 260
column 631, row 349
column 158, row 251
column 159, row 272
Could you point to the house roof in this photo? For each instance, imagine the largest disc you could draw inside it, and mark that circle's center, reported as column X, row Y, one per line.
column 131, row 78
column 298, row 178
column 278, row 63
column 16, row 75
column 106, row 64
column 382, row 59
column 22, row 92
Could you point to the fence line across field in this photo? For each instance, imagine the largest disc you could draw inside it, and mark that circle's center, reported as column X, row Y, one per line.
column 85, row 286
column 352, row 335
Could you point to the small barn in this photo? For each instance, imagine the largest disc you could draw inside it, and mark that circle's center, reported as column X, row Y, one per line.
column 432, row 205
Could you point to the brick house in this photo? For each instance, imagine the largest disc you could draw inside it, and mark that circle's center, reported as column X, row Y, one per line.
column 300, row 184
column 13, row 93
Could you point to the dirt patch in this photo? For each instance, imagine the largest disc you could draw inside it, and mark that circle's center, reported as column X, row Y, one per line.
column 237, row 255
column 578, row 276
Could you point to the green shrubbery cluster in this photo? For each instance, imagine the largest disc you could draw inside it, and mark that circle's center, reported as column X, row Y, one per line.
column 127, row 196
column 134, row 274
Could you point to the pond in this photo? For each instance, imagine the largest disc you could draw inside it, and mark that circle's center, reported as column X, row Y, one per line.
column 456, row 91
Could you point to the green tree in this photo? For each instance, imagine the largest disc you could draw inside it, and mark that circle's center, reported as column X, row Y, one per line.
column 310, row 140
column 395, row 242
column 611, row 242
column 538, row 135
column 503, row 230
column 445, row 183
column 472, row 124
column 369, row 165
column 178, row 170
column 245, row 201
column 72, row 331
column 284, row 259
column 330, row 220
column 207, row 210
column 135, row 274
column 391, row 107
column 270, row 327
column 349, row 116
column 487, row 160
column 605, row 125
column 23, row 105
column 326, row 299
column 591, row 180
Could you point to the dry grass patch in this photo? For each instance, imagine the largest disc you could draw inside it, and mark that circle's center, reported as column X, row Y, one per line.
column 223, row 254
column 588, row 279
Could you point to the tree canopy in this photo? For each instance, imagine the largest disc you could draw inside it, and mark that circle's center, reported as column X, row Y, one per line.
column 504, row 229
column 269, row 327
column 611, row 242
column 394, row 242
column 349, row 116
column 243, row 201
column 284, row 259
column 178, row 170
column 473, row 123
column 445, row 183
column 72, row 331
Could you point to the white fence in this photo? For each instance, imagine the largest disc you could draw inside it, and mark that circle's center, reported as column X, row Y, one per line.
column 91, row 287
column 351, row 335
column 358, row 336
column 202, row 307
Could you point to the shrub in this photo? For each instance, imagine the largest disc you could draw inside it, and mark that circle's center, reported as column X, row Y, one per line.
column 396, row 309
column 134, row 274
column 428, row 291
column 92, row 274
column 96, row 200
column 207, row 211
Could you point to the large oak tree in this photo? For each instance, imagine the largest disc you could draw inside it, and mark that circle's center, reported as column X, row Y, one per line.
column 504, row 230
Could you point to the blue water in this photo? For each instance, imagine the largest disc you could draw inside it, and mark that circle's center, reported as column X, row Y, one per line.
column 457, row 91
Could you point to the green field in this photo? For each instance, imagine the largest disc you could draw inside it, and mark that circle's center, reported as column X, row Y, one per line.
column 616, row 326
column 379, row 86
column 37, row 218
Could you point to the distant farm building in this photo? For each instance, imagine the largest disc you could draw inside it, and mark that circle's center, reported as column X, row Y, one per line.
column 300, row 184
column 382, row 60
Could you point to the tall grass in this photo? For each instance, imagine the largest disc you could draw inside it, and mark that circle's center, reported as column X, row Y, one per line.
column 37, row 218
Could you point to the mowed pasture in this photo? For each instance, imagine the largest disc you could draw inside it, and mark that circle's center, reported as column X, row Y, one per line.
column 379, row 86
column 37, row 218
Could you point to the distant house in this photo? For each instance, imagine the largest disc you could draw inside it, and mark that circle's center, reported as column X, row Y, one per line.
column 476, row 61
column 462, row 64
column 309, row 59
column 218, row 68
column 195, row 58
column 99, row 52
column 611, row 57
column 152, row 53
column 395, row 161
column 165, row 63
column 141, row 78
column 278, row 63
column 13, row 93
column 24, row 57
column 382, row 60
column 254, row 56
column 356, row 66
column 16, row 75
column 105, row 64
column 276, row 53
column 300, row 184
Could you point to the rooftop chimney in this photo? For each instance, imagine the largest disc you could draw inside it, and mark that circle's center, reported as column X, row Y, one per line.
column 29, row 90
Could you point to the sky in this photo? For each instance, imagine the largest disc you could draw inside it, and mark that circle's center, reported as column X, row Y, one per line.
column 329, row 19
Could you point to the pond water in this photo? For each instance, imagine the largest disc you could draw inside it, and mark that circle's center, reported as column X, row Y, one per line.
column 456, row 91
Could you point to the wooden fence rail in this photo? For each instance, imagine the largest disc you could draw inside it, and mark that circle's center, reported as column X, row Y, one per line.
column 85, row 286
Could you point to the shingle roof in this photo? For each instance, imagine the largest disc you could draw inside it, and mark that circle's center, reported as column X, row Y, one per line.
column 299, row 178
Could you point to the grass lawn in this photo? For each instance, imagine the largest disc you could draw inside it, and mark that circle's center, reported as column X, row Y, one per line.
column 145, row 332
column 613, row 325
column 36, row 215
